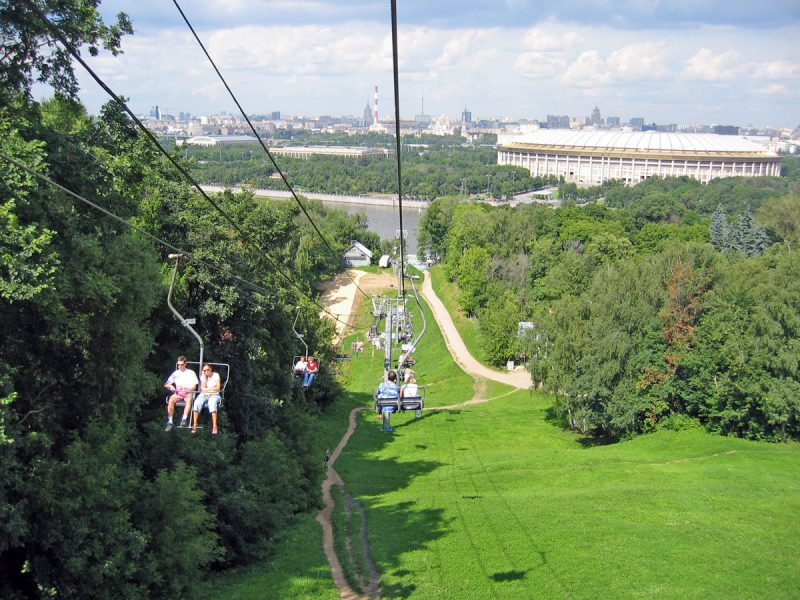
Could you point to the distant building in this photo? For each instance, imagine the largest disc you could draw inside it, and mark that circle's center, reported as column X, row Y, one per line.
column 367, row 115
column 466, row 116
column 612, row 121
column 275, row 115
column 726, row 130
column 221, row 140
column 556, row 122
column 345, row 151
column 592, row 157
column 423, row 119
column 596, row 119
column 357, row 255
column 637, row 123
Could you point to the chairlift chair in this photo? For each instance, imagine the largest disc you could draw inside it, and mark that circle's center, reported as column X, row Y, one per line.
column 187, row 323
column 224, row 370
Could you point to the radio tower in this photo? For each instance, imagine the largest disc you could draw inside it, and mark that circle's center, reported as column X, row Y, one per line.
column 375, row 110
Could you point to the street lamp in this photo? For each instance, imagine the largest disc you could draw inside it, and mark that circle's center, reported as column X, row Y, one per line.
column 488, row 177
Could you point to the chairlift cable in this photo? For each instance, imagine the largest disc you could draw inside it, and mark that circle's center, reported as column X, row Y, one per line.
column 164, row 243
column 54, row 30
column 263, row 145
column 397, row 139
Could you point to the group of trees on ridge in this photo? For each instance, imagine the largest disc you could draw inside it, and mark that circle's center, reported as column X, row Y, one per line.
column 96, row 500
column 639, row 321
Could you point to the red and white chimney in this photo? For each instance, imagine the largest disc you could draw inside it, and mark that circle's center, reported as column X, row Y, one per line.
column 375, row 110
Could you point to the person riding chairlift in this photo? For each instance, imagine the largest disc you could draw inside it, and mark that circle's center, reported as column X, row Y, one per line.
column 299, row 368
column 312, row 368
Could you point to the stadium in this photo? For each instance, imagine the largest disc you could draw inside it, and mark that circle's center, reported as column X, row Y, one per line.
column 592, row 157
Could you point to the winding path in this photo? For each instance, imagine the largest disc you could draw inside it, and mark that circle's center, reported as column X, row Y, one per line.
column 519, row 378
column 343, row 294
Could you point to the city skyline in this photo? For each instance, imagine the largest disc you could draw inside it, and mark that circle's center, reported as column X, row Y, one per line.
column 705, row 61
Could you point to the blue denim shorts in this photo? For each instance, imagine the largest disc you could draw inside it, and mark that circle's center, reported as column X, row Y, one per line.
column 212, row 400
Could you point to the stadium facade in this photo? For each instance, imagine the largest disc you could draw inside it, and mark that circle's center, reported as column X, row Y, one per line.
column 592, row 157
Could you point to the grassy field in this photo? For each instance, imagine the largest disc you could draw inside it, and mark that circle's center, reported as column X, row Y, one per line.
column 467, row 328
column 498, row 501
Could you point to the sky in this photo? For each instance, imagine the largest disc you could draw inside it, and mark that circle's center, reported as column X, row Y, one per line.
column 672, row 61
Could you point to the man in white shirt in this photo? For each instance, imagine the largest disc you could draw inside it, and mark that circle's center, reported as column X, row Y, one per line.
column 182, row 383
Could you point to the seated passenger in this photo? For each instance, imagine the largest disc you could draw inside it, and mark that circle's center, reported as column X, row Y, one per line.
column 312, row 368
column 299, row 368
column 388, row 389
column 410, row 389
column 182, row 383
column 210, row 386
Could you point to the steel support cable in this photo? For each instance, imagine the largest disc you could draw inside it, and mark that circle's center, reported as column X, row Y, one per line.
column 397, row 141
column 189, row 255
column 127, row 223
column 58, row 35
column 261, row 142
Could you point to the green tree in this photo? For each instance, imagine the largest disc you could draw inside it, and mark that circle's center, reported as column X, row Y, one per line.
column 720, row 231
column 499, row 320
column 781, row 216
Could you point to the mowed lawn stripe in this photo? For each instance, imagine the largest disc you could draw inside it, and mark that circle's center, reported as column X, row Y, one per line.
column 674, row 514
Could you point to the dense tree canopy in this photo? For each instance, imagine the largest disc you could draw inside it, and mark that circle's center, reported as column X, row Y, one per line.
column 96, row 500
column 638, row 321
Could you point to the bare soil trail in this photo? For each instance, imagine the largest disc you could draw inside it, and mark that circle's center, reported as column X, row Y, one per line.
column 519, row 378
column 341, row 297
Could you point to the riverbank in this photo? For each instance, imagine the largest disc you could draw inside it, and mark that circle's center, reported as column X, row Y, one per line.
column 333, row 198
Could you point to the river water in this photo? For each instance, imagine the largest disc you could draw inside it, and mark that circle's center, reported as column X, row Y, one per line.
column 385, row 220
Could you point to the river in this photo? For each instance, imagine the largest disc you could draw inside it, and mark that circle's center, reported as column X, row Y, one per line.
column 385, row 220
column 381, row 211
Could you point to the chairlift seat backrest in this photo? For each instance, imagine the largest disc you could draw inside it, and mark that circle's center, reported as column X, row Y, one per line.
column 413, row 402
column 224, row 370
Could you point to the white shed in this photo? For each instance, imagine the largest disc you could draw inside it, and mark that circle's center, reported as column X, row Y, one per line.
column 357, row 255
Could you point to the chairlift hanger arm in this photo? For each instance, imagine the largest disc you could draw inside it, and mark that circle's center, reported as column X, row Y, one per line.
column 184, row 322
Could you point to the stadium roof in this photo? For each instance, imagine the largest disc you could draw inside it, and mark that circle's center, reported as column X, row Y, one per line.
column 647, row 141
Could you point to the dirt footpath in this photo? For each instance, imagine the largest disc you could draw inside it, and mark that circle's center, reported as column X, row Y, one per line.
column 519, row 378
column 342, row 297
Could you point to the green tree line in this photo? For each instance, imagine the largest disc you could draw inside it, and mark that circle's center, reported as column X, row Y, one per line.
column 662, row 304
column 428, row 173
column 96, row 500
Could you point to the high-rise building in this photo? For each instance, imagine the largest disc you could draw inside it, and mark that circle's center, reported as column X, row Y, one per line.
column 612, row 121
column 726, row 130
column 596, row 119
column 422, row 118
column 275, row 116
column 556, row 122
column 367, row 115
column 466, row 116
column 637, row 123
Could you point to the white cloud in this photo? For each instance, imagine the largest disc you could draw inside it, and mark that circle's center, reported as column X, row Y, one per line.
column 645, row 60
column 707, row 66
column 777, row 69
column 589, row 69
column 773, row 88
column 541, row 39
column 539, row 65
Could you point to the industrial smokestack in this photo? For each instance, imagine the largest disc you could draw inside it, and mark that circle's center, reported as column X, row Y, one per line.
column 375, row 110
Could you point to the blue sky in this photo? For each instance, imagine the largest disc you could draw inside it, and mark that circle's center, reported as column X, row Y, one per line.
column 678, row 61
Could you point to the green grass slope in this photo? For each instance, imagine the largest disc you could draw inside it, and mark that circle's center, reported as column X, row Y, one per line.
column 496, row 500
